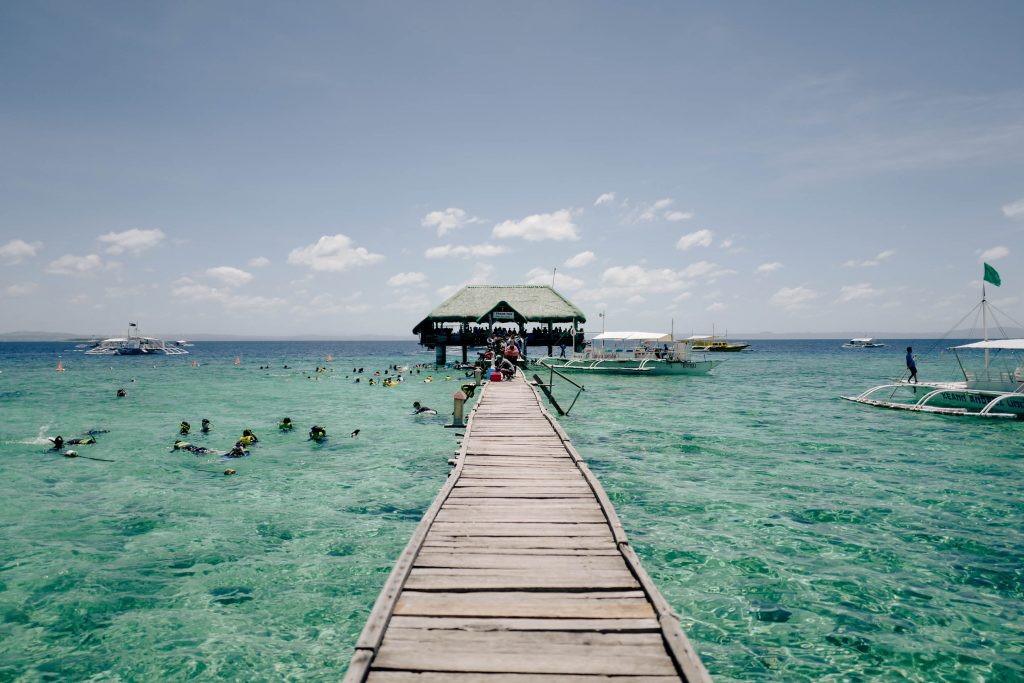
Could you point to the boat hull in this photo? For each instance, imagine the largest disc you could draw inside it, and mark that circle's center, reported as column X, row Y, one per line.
column 945, row 399
column 650, row 367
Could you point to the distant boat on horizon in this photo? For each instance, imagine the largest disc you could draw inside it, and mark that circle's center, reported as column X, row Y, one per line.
column 134, row 345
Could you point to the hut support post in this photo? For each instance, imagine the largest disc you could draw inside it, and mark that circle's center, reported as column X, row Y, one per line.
column 551, row 348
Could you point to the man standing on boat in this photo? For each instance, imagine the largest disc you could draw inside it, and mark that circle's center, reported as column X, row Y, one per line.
column 911, row 365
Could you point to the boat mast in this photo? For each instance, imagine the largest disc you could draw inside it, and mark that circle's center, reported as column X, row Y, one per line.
column 984, row 321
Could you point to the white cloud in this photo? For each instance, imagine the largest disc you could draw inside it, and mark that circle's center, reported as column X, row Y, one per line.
column 187, row 290
column 606, row 198
column 630, row 278
column 409, row 302
column 445, row 221
column 465, row 251
column 136, row 241
column 332, row 253
column 482, row 272
column 882, row 256
column 683, row 297
column 327, row 304
column 542, row 226
column 675, row 216
column 23, row 289
column 645, row 213
column 581, row 259
column 793, row 298
column 636, row 300
column 233, row 277
column 770, row 267
column 716, row 306
column 407, row 280
column 858, row 292
column 259, row 262
column 17, row 250
column 69, row 264
column 542, row 276
column 1014, row 209
column 701, row 238
column 726, row 244
column 993, row 254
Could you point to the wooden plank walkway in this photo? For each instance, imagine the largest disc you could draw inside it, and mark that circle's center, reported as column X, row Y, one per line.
column 520, row 571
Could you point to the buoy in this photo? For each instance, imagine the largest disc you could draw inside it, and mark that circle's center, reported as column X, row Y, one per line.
column 238, row 360
column 60, row 366
column 70, row 454
column 228, row 472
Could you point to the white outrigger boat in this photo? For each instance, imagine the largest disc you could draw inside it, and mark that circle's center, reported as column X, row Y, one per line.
column 986, row 393
column 134, row 345
column 633, row 353
column 863, row 343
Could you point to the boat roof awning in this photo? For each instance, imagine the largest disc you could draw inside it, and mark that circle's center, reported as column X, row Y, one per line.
column 1010, row 344
column 863, row 339
column 699, row 337
column 635, row 336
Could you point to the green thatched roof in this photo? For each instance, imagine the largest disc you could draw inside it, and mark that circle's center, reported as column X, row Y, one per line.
column 532, row 303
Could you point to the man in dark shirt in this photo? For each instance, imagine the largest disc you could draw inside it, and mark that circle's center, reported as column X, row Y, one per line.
column 911, row 365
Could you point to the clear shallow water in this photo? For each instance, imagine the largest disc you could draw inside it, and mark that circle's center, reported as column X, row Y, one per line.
column 800, row 537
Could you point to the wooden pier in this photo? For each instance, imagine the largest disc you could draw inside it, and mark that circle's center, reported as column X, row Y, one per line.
column 520, row 571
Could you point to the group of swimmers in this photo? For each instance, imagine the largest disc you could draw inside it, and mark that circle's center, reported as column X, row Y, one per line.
column 88, row 438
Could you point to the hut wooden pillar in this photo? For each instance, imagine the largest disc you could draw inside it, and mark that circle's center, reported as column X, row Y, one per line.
column 551, row 348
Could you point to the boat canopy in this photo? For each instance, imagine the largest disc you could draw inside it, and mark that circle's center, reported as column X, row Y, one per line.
column 1011, row 344
column 700, row 337
column 635, row 336
column 863, row 339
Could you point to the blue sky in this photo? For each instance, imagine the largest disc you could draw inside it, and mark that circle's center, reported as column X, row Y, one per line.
column 340, row 168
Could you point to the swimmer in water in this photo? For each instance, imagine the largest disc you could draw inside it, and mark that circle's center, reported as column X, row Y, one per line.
column 237, row 452
column 248, row 432
column 82, row 440
column 58, row 442
column 418, row 409
column 191, row 448
column 205, row 429
column 121, row 393
column 317, row 433
column 354, row 434
column 184, row 427
column 285, row 424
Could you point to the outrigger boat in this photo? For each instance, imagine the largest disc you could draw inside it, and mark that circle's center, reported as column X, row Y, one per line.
column 134, row 345
column 633, row 353
column 862, row 343
column 986, row 393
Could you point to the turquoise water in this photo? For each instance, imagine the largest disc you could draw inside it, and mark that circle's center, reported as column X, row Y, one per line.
column 800, row 537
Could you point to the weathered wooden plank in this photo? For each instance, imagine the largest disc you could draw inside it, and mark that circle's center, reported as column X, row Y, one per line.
column 538, row 562
column 610, row 661
column 479, row 549
column 523, row 516
column 501, row 624
column 476, row 677
column 525, row 542
column 520, row 529
column 450, row 580
column 537, row 605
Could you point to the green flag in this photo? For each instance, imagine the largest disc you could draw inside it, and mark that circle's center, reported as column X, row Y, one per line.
column 992, row 276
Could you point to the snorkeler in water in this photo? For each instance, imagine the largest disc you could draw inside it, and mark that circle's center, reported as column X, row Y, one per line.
column 205, row 429
column 248, row 432
column 317, row 433
column 184, row 427
column 285, row 424
column 191, row 448
column 418, row 409
column 58, row 442
column 237, row 452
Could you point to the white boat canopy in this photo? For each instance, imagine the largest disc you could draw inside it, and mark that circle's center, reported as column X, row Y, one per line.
column 700, row 337
column 635, row 336
column 1012, row 344
column 863, row 339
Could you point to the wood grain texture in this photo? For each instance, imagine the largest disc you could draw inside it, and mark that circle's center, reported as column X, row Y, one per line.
column 520, row 571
